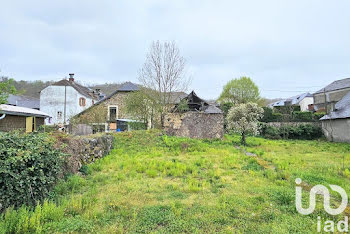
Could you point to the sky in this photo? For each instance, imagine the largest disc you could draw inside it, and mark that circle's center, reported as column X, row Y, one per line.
column 286, row 47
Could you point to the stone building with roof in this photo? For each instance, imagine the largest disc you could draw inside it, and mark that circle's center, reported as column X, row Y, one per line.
column 325, row 99
column 66, row 98
column 110, row 114
column 200, row 120
column 336, row 124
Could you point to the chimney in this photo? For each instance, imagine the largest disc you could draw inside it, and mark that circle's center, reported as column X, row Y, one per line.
column 71, row 77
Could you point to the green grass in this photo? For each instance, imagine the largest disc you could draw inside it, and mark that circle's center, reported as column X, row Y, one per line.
column 155, row 183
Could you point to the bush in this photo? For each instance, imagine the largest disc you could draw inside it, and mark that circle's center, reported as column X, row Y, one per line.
column 318, row 115
column 302, row 116
column 304, row 131
column 270, row 116
column 29, row 167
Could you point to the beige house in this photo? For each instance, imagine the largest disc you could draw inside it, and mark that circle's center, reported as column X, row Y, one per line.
column 326, row 98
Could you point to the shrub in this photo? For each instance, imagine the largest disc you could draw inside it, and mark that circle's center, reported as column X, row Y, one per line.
column 304, row 131
column 318, row 115
column 270, row 116
column 29, row 167
column 302, row 116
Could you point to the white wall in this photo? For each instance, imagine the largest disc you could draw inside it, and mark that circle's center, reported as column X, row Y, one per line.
column 337, row 130
column 52, row 101
column 304, row 104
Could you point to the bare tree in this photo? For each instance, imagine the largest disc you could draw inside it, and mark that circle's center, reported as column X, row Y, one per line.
column 164, row 72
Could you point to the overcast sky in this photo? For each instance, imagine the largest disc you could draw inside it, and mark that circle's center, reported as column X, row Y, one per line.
column 286, row 47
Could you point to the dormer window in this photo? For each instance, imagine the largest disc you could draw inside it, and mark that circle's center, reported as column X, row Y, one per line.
column 82, row 101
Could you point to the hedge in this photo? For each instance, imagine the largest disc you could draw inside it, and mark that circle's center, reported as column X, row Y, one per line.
column 29, row 168
column 303, row 132
column 271, row 115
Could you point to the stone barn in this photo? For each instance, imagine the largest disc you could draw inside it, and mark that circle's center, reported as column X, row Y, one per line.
column 199, row 120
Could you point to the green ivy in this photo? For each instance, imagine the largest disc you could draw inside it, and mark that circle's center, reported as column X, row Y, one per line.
column 29, row 168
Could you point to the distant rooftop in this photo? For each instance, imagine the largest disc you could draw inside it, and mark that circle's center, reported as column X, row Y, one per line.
column 336, row 85
column 87, row 92
column 23, row 101
column 292, row 100
column 128, row 87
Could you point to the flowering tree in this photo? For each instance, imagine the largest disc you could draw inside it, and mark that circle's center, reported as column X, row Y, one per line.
column 243, row 119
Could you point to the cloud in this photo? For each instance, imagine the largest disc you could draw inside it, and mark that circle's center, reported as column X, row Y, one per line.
column 283, row 45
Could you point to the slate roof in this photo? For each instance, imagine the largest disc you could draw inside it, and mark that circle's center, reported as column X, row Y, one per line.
column 176, row 97
column 342, row 109
column 336, row 85
column 212, row 110
column 128, row 87
column 292, row 100
column 22, row 111
column 18, row 100
column 87, row 92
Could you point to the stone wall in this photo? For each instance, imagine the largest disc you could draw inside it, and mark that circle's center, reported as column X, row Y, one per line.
column 195, row 125
column 293, row 124
column 84, row 150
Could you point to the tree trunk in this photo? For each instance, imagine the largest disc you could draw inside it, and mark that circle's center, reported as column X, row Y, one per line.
column 243, row 140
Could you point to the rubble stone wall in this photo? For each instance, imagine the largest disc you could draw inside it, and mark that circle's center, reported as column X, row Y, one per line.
column 195, row 125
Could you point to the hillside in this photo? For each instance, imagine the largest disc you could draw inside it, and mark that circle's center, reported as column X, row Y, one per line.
column 33, row 88
column 160, row 184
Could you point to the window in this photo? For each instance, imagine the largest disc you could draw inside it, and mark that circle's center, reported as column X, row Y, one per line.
column 82, row 101
column 59, row 114
column 112, row 113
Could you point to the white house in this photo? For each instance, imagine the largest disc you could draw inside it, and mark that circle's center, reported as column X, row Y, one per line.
column 302, row 100
column 65, row 99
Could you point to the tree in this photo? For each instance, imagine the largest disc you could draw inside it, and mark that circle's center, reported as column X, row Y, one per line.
column 141, row 105
column 164, row 72
column 6, row 88
column 243, row 119
column 242, row 90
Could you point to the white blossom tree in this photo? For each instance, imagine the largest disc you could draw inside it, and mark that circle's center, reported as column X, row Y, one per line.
column 243, row 119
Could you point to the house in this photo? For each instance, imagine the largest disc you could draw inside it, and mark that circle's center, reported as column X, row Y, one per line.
column 20, row 118
column 325, row 99
column 336, row 125
column 201, row 119
column 302, row 100
column 110, row 114
column 23, row 101
column 66, row 98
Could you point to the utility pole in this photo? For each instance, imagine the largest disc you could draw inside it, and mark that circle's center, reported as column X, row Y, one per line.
column 65, row 105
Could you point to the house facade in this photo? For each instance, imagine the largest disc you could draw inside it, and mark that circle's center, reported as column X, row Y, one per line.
column 304, row 101
column 20, row 118
column 109, row 114
column 325, row 99
column 64, row 99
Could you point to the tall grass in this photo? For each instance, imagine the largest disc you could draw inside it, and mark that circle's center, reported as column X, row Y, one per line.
column 160, row 184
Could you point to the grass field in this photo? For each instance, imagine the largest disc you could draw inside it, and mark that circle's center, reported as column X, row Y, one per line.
column 155, row 183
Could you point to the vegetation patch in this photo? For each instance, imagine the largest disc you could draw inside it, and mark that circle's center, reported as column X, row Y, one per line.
column 150, row 184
